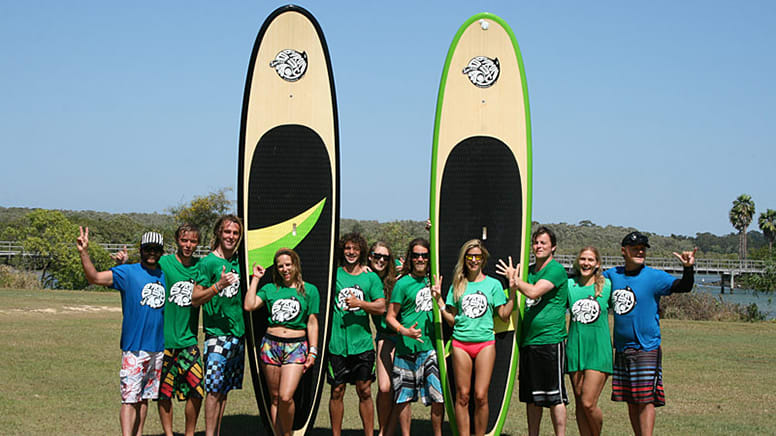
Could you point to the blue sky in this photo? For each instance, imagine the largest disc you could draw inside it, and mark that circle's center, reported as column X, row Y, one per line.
column 654, row 115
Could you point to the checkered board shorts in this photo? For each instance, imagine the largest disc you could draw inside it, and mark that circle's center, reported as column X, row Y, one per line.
column 225, row 359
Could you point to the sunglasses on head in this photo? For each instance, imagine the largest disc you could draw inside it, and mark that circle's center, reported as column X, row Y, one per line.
column 379, row 256
column 473, row 257
column 420, row 255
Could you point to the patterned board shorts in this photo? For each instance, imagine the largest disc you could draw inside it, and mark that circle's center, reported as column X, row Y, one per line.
column 417, row 375
column 182, row 374
column 277, row 351
column 638, row 377
column 139, row 375
column 225, row 359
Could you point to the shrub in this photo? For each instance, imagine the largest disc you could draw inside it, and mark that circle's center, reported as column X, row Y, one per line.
column 13, row 278
column 700, row 306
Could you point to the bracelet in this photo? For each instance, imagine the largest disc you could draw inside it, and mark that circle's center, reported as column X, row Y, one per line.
column 442, row 307
column 314, row 350
column 215, row 289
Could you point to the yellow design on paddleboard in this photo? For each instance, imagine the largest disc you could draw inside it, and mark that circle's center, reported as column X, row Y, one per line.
column 262, row 243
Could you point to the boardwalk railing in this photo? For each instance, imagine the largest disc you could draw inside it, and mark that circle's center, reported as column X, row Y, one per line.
column 9, row 249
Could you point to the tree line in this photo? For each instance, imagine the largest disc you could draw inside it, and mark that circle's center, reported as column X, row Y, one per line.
column 51, row 234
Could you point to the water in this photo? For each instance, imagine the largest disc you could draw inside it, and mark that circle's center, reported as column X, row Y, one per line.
column 765, row 302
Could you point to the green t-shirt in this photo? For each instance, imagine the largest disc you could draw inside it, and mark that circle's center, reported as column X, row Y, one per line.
column 474, row 317
column 287, row 307
column 589, row 344
column 181, row 319
column 350, row 332
column 414, row 296
column 223, row 314
column 544, row 319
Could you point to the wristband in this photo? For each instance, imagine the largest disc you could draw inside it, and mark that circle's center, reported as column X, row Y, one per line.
column 215, row 289
column 314, row 350
column 442, row 307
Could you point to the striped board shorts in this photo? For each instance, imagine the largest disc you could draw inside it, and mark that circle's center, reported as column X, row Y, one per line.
column 638, row 377
column 417, row 375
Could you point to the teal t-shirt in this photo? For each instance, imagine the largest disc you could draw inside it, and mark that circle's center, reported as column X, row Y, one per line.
column 350, row 331
column 223, row 314
column 413, row 294
column 544, row 319
column 181, row 319
column 474, row 316
column 287, row 307
column 589, row 345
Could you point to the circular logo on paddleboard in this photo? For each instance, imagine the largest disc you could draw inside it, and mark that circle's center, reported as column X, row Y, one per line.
column 474, row 305
column 344, row 293
column 423, row 300
column 623, row 301
column 285, row 310
column 180, row 293
column 585, row 311
column 482, row 71
column 152, row 295
column 290, row 64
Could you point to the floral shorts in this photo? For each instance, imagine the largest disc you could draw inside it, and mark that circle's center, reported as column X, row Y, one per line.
column 140, row 375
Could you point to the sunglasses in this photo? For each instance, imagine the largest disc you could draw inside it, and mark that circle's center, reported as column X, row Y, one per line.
column 378, row 256
column 473, row 257
column 420, row 255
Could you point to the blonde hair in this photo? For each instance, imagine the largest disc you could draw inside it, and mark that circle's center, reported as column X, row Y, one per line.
column 459, row 273
column 599, row 278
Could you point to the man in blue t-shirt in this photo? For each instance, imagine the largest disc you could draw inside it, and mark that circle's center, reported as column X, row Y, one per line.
column 636, row 292
column 142, row 333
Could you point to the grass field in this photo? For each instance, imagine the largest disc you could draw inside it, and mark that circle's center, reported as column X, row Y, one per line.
column 60, row 359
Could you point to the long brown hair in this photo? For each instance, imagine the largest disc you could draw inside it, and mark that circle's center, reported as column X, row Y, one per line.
column 296, row 278
column 459, row 273
column 216, row 241
column 597, row 274
column 388, row 275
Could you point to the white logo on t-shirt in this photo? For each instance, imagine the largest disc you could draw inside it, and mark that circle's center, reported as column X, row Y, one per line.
column 623, row 300
column 474, row 305
column 180, row 293
column 531, row 302
column 585, row 311
column 423, row 300
column 344, row 293
column 152, row 295
column 286, row 309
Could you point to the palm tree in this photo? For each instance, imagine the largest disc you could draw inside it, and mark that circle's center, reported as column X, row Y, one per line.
column 741, row 216
column 767, row 223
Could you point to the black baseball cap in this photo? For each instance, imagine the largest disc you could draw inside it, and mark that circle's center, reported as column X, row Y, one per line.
column 635, row 238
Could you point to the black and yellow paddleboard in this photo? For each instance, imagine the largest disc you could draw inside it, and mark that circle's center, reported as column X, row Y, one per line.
column 288, row 182
column 481, row 182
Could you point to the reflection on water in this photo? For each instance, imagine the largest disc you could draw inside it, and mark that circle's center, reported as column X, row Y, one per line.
column 765, row 302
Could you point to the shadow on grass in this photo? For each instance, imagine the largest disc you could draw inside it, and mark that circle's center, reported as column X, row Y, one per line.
column 248, row 424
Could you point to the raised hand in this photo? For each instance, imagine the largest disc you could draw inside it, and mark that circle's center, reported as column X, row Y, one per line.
column 82, row 242
column 258, row 271
column 120, row 257
column 687, row 257
column 506, row 270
